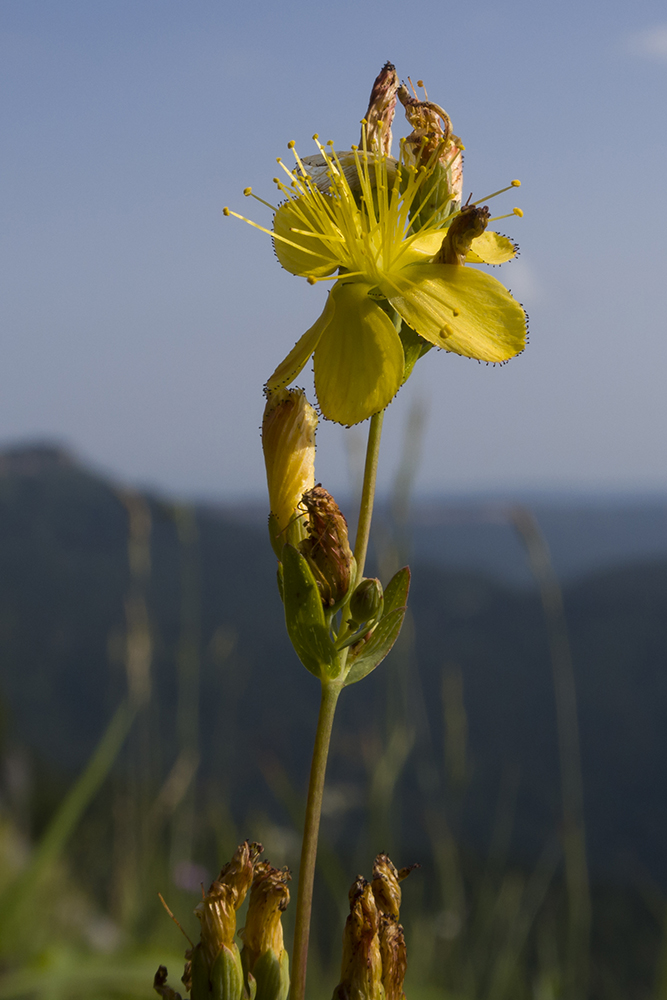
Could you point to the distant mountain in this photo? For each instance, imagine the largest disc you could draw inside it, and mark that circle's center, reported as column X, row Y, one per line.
column 64, row 579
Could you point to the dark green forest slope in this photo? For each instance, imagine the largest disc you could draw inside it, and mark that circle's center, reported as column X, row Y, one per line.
column 63, row 581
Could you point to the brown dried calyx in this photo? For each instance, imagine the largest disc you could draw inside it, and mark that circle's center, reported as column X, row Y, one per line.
column 374, row 953
column 470, row 223
column 327, row 547
column 381, row 108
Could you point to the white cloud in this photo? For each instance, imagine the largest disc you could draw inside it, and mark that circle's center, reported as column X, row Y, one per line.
column 651, row 43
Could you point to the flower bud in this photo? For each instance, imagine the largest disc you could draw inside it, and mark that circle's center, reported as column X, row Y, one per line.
column 264, row 956
column 327, row 548
column 288, row 440
column 361, row 968
column 367, row 601
column 470, row 223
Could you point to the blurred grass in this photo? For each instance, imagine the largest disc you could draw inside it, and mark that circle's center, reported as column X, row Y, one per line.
column 478, row 927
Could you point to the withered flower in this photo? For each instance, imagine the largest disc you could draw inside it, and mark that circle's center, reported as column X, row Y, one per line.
column 468, row 225
column 264, row 955
column 327, row 547
column 361, row 968
column 381, row 107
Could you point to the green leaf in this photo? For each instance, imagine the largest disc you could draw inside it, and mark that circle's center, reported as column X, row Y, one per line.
column 373, row 652
column 304, row 616
column 396, row 591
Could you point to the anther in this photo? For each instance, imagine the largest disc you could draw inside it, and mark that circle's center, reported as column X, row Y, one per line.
column 456, row 312
column 278, row 159
column 516, row 184
column 225, row 211
column 311, row 280
column 420, row 83
column 316, row 137
column 247, row 191
column 519, row 212
column 291, row 144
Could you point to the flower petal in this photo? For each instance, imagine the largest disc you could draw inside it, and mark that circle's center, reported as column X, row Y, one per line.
column 359, row 361
column 460, row 309
column 491, row 248
column 305, row 254
column 289, row 368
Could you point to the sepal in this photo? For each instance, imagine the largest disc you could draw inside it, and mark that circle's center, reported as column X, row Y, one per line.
column 304, row 616
column 272, row 975
column 227, row 975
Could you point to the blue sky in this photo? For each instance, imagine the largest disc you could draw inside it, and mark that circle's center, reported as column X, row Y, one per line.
column 139, row 324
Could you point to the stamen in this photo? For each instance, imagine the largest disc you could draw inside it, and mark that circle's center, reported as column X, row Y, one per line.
column 496, row 193
column 270, row 232
column 249, row 193
column 510, row 215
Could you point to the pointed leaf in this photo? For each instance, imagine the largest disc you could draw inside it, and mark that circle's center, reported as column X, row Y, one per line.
column 304, row 616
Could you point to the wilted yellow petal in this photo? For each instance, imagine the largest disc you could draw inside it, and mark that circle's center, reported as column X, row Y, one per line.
column 359, row 360
column 491, row 248
column 460, row 309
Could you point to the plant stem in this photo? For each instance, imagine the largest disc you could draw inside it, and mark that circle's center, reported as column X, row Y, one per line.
column 330, row 693
column 368, row 492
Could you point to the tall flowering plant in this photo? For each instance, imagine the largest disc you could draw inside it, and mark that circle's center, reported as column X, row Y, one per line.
column 396, row 243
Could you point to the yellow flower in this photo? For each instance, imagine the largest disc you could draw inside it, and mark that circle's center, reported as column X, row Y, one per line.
column 369, row 221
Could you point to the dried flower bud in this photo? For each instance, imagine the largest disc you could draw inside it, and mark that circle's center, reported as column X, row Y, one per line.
column 467, row 226
column 264, row 955
column 385, row 885
column 327, row 548
column 215, row 962
column 288, row 440
column 381, row 108
column 361, row 968
column 366, row 601
column 394, row 957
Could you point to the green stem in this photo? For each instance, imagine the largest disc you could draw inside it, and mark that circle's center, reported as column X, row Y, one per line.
column 330, row 692
column 304, row 902
column 368, row 492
